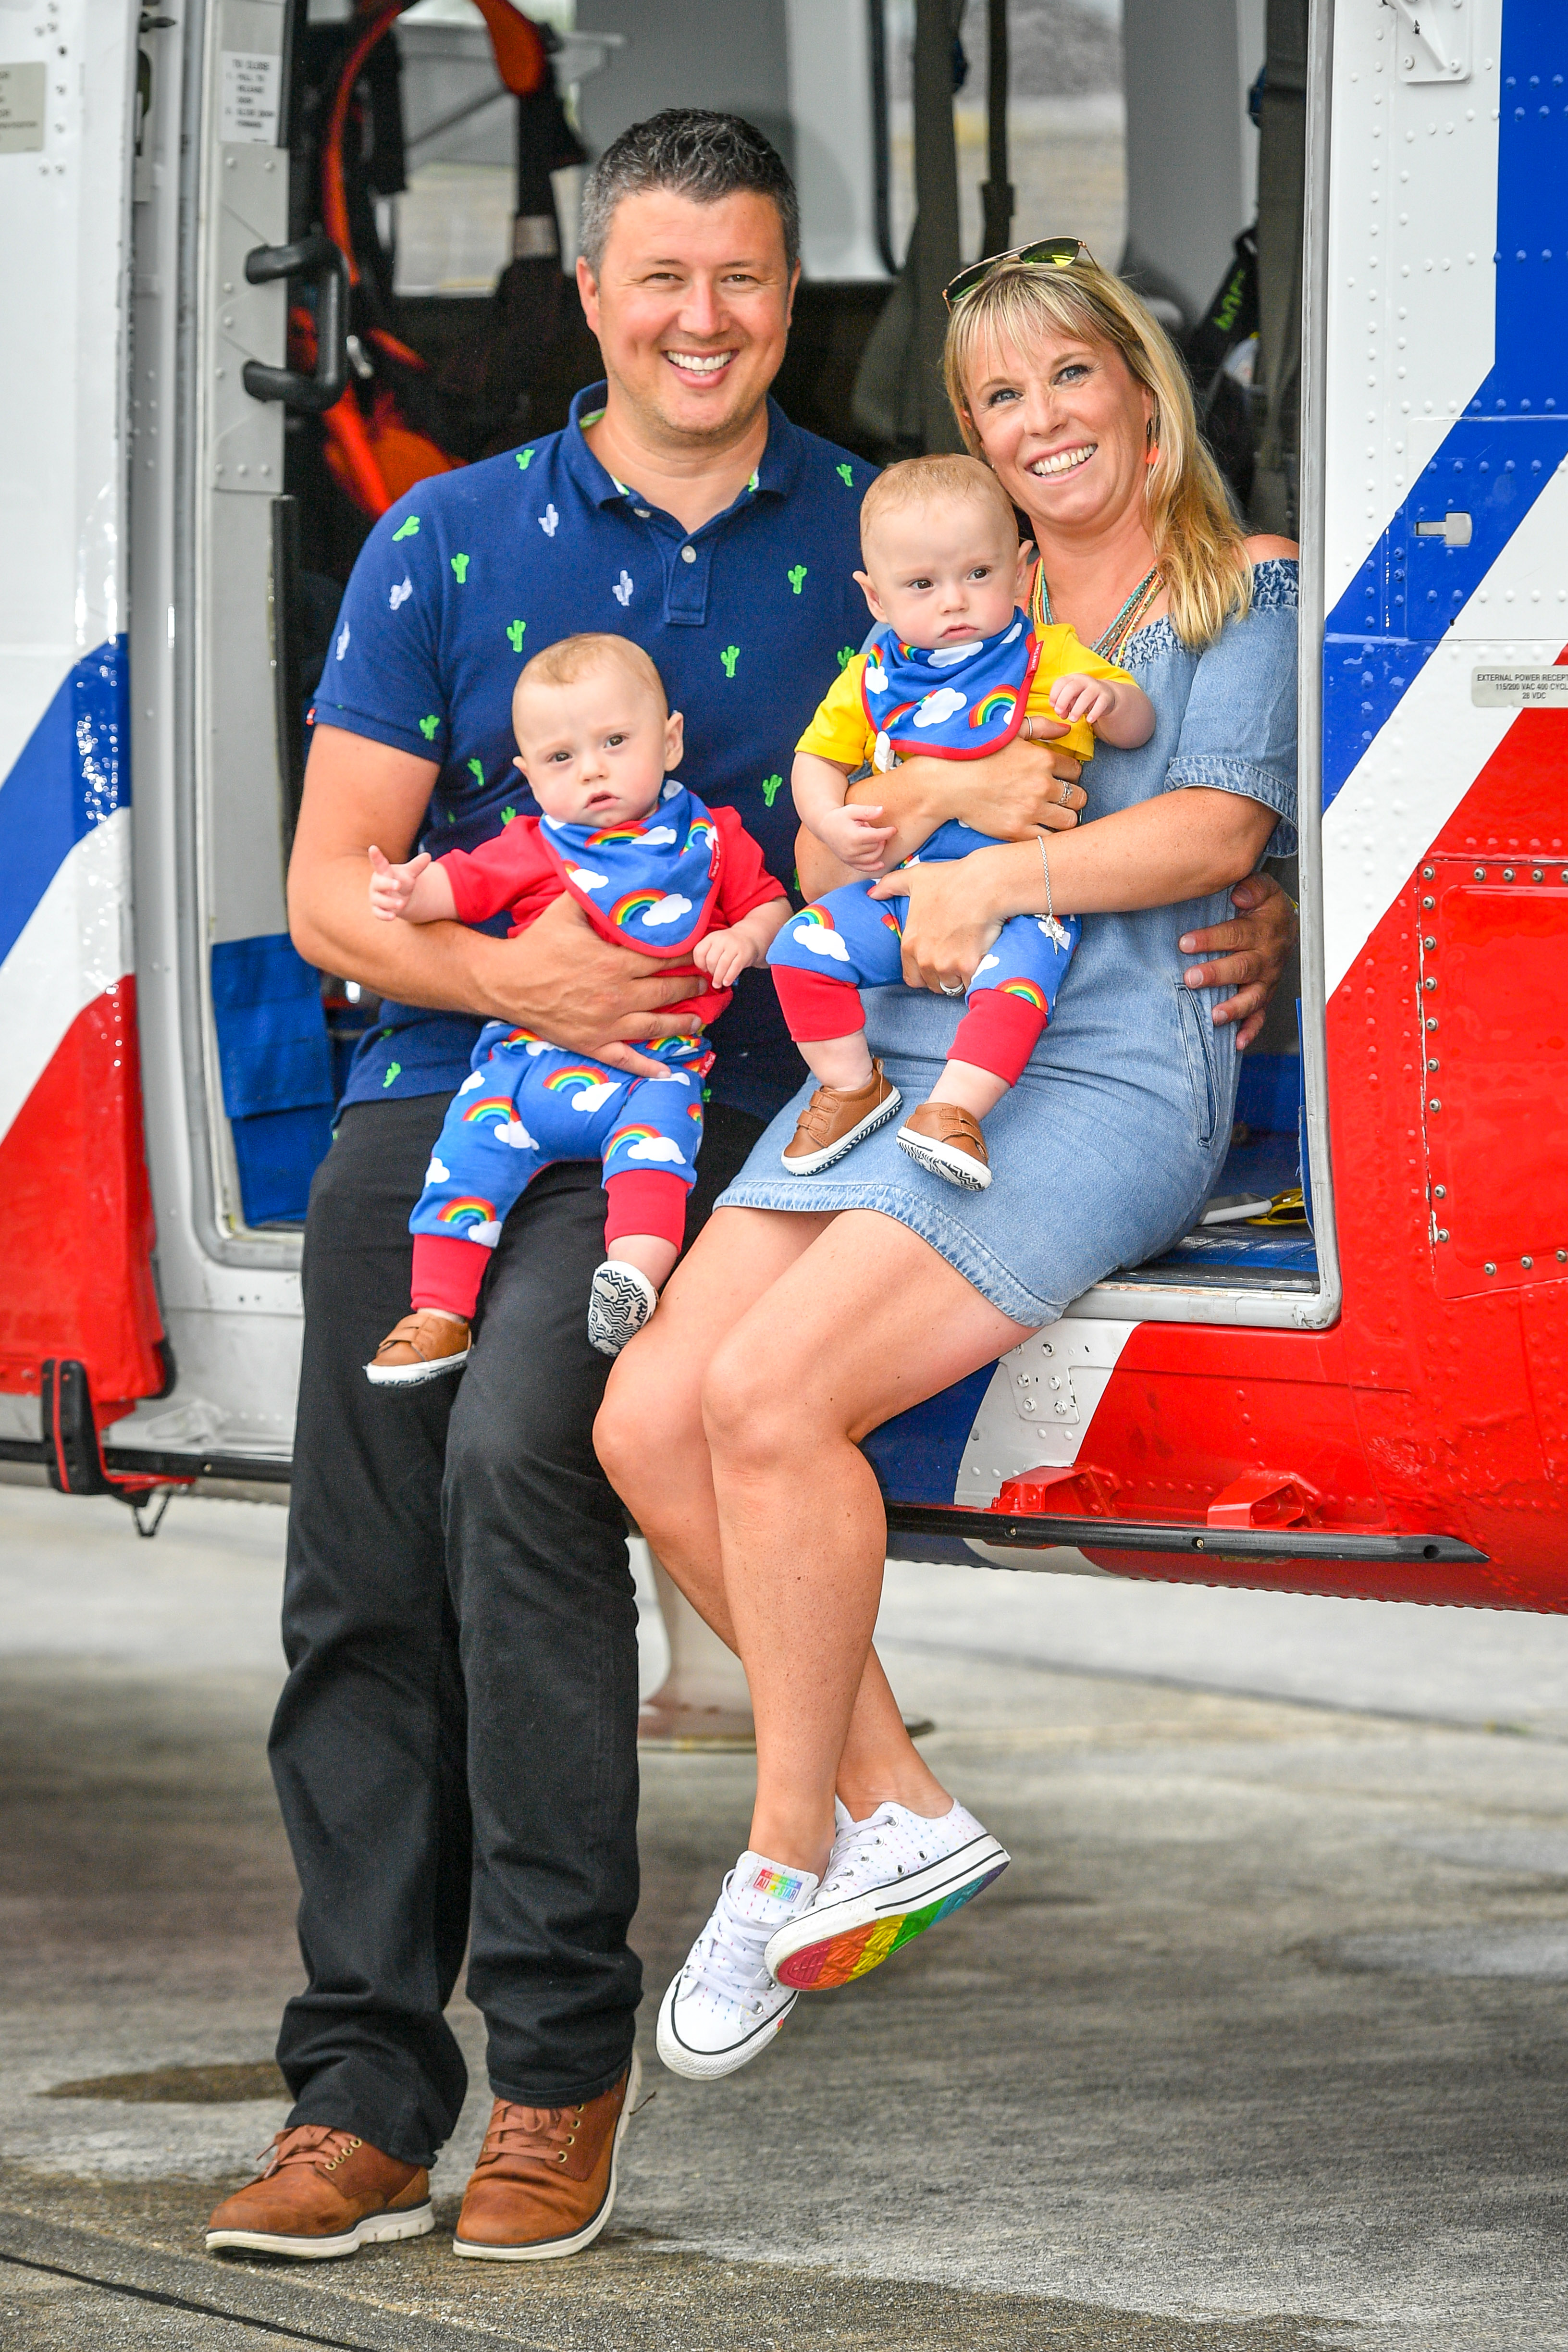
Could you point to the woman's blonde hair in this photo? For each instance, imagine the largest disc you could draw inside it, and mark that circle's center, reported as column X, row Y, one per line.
column 1200, row 546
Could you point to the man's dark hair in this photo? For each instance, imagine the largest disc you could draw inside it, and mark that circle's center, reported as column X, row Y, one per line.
column 693, row 154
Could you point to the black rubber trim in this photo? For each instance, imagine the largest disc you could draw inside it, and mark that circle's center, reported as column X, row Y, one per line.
column 1042, row 1533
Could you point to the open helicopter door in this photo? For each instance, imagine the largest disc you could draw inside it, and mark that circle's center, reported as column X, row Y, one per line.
column 76, row 1234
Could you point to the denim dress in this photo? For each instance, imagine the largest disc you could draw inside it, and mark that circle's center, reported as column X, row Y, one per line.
column 1105, row 1152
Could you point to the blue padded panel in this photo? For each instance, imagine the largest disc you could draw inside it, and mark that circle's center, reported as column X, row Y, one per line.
column 1278, row 1249
column 918, row 1456
column 1267, row 1092
column 276, row 1068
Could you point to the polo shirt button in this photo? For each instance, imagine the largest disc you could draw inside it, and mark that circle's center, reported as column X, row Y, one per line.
column 688, row 555
column 641, row 514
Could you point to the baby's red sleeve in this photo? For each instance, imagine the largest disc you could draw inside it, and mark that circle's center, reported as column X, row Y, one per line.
column 744, row 882
column 499, row 872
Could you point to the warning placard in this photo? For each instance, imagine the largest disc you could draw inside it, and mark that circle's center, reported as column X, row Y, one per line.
column 21, row 97
column 248, row 113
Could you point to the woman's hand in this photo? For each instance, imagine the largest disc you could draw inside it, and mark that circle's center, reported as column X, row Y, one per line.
column 1252, row 954
column 949, row 925
column 1012, row 794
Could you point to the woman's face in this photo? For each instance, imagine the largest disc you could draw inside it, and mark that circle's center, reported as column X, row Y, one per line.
column 1064, row 426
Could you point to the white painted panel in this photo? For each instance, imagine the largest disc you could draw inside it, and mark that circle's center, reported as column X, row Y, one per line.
column 75, row 944
column 1412, row 283
column 1042, row 1398
column 829, row 105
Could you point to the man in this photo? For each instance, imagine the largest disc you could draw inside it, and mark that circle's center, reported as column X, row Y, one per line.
column 455, row 1747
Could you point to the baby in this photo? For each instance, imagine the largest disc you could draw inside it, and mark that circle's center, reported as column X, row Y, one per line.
column 952, row 671
column 653, row 869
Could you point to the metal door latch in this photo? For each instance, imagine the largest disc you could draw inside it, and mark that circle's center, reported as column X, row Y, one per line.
column 1434, row 39
column 1454, row 530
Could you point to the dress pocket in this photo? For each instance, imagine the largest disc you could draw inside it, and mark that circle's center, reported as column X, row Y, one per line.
column 1198, row 1043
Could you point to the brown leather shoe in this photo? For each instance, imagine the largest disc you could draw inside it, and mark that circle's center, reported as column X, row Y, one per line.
column 324, row 2193
column 424, row 1346
column 947, row 1142
column 834, row 1121
column 544, row 2181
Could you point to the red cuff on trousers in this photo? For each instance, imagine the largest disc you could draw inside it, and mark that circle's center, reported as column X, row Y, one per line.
column 815, row 1006
column 651, row 1202
column 447, row 1272
column 998, row 1032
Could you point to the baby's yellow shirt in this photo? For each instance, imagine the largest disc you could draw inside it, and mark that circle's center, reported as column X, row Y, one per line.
column 839, row 732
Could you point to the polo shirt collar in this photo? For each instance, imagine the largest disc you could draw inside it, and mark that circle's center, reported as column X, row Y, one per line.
column 776, row 475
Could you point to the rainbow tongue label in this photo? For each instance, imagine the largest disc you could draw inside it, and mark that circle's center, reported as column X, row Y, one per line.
column 778, row 1885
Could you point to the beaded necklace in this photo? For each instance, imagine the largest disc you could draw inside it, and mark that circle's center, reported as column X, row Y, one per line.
column 1110, row 645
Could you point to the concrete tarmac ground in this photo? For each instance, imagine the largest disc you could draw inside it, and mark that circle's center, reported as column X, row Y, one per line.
column 1260, row 2043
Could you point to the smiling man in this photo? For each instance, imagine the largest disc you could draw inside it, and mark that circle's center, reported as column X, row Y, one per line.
column 455, row 1747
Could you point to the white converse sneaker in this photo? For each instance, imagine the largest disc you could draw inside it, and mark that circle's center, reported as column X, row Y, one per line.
column 889, row 1878
column 619, row 1304
column 724, row 2007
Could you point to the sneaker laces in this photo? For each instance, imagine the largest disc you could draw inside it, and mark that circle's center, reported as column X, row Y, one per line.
column 863, row 1855
column 727, row 1956
column 313, row 2144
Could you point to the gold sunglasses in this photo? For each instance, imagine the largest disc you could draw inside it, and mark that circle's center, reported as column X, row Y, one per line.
column 1049, row 253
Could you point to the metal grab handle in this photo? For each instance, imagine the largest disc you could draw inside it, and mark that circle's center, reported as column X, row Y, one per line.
column 317, row 258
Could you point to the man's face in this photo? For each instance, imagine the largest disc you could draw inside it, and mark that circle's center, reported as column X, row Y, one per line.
column 691, row 308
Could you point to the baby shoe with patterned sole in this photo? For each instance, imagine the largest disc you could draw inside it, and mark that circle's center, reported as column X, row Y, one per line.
column 619, row 1304
column 946, row 1142
column 424, row 1347
column 837, row 1119
column 890, row 1877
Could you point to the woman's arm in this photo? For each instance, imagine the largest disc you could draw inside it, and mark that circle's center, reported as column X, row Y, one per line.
column 1028, row 783
column 1185, row 844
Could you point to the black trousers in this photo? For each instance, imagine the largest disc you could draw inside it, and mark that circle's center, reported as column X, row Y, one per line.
column 455, row 1747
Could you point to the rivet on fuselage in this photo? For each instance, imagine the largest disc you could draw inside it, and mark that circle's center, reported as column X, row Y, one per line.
column 1489, row 1267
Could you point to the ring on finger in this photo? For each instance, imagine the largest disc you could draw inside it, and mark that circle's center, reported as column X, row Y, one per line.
column 956, row 988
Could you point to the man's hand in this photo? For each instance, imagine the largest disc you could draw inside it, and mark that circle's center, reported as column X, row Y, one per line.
column 560, row 979
column 1249, row 954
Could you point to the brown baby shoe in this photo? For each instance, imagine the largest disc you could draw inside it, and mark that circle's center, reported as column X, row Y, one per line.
column 424, row 1346
column 947, row 1142
column 545, row 2182
column 323, row 2193
column 834, row 1121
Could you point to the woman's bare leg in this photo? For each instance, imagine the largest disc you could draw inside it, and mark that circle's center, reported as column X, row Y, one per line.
column 650, row 1439
column 867, row 1322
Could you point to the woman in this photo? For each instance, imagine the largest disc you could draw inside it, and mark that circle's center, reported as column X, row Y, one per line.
column 813, row 1309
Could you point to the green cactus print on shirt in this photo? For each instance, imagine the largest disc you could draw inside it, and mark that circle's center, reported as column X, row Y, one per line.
column 770, row 789
column 460, row 567
column 845, row 655
column 476, row 769
column 394, row 1070
column 408, row 530
column 514, row 634
column 729, row 656
column 427, row 727
column 508, row 814
column 846, row 476
column 796, row 577
column 525, row 459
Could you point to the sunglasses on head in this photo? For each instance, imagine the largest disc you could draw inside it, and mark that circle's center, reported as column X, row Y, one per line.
column 1048, row 253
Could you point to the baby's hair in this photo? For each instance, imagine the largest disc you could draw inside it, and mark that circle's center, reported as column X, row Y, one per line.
column 571, row 659
column 919, row 481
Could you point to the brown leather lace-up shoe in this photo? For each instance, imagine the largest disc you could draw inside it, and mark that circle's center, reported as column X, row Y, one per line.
column 324, row 2193
column 544, row 2181
column 834, row 1121
column 947, row 1142
column 424, row 1346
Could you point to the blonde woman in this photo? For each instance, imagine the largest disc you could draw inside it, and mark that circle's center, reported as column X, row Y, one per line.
column 813, row 1309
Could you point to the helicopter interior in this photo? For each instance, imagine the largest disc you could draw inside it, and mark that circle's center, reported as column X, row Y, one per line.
column 447, row 161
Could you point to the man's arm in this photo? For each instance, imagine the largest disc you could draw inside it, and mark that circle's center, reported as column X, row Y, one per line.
column 1251, row 954
column 558, row 979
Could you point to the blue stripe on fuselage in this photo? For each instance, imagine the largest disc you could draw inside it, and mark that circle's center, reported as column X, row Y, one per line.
column 1497, row 458
column 73, row 770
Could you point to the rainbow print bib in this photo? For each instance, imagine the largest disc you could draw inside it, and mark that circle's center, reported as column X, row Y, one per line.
column 958, row 702
column 652, row 885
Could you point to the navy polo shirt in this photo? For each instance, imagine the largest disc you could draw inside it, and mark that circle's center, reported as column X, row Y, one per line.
column 748, row 620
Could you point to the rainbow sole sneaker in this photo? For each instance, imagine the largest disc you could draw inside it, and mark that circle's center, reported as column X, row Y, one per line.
column 883, row 1886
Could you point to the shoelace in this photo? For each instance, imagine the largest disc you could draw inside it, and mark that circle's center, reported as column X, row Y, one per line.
column 313, row 2144
column 855, row 1862
column 727, row 1956
column 546, row 2133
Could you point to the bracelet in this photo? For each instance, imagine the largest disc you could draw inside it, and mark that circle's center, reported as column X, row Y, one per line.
column 1045, row 862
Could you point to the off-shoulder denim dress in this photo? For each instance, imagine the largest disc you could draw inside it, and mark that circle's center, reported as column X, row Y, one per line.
column 1104, row 1153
